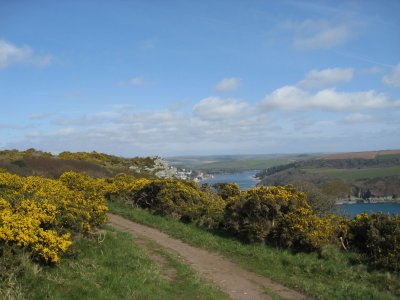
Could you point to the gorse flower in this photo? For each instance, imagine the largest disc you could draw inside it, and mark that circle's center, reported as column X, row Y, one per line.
column 40, row 214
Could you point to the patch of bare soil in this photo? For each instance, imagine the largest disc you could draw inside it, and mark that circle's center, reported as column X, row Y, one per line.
column 237, row 282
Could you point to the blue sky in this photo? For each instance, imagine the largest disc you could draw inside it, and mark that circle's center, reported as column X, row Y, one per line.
column 200, row 77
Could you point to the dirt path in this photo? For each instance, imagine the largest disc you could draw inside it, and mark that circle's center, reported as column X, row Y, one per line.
column 237, row 282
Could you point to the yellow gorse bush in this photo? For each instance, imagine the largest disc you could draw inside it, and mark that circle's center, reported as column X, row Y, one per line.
column 40, row 214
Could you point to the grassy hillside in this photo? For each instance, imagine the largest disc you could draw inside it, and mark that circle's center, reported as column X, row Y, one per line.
column 355, row 174
column 376, row 174
column 236, row 162
column 34, row 162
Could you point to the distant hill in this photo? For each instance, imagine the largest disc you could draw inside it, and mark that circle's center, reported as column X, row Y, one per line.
column 35, row 162
column 365, row 154
column 233, row 163
column 353, row 176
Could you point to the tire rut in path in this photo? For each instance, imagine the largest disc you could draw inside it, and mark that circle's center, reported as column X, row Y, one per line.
column 237, row 282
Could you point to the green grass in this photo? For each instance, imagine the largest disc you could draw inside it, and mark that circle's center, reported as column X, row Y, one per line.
column 113, row 268
column 354, row 174
column 387, row 156
column 336, row 275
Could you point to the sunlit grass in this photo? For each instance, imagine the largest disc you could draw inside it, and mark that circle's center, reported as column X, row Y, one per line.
column 111, row 266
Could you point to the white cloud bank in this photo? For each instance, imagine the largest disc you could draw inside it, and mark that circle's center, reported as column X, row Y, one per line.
column 327, row 77
column 358, row 118
column 295, row 98
column 215, row 108
column 228, row 84
column 11, row 54
column 393, row 78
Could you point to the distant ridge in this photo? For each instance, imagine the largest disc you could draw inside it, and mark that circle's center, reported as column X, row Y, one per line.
column 364, row 154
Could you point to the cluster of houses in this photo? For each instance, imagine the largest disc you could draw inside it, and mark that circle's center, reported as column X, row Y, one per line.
column 162, row 169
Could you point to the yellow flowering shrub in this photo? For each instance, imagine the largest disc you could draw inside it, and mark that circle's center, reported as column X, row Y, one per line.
column 123, row 187
column 377, row 237
column 25, row 226
column 40, row 214
column 257, row 211
column 301, row 229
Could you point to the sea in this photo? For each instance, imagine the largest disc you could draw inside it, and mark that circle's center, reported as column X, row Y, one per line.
column 246, row 179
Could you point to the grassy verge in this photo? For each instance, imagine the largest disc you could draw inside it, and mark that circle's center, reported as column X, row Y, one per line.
column 354, row 174
column 334, row 275
column 110, row 266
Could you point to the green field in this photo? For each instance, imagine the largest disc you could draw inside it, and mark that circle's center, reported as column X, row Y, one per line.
column 355, row 174
column 388, row 156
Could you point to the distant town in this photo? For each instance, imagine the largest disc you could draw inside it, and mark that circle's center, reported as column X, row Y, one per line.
column 162, row 169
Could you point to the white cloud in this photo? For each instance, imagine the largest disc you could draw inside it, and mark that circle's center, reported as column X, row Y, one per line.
column 214, row 108
column 137, row 81
column 393, row 78
column 11, row 54
column 327, row 77
column 215, row 126
column 358, row 118
column 317, row 34
column 228, row 84
column 294, row 98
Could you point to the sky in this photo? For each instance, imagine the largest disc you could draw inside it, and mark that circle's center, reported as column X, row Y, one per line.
column 168, row 78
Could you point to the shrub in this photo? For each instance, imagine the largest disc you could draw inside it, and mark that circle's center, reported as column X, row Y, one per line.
column 302, row 230
column 377, row 237
column 181, row 199
column 227, row 191
column 257, row 211
column 39, row 214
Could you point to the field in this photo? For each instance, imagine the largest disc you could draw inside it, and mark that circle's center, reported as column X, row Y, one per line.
column 355, row 174
column 364, row 154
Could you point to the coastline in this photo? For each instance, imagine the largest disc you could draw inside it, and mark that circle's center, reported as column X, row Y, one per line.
column 368, row 201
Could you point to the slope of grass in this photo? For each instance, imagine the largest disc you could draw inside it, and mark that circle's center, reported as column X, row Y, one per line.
column 112, row 266
column 354, row 174
column 334, row 275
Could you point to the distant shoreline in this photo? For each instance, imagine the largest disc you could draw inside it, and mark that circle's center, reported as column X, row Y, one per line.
column 397, row 201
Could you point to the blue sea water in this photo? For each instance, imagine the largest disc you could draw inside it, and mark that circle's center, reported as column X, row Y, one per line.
column 246, row 180
column 354, row 209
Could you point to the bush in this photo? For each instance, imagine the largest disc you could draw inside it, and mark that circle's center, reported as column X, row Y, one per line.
column 302, row 230
column 40, row 215
column 377, row 237
column 183, row 200
column 256, row 212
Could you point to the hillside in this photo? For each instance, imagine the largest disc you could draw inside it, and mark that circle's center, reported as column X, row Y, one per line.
column 233, row 163
column 99, row 165
column 358, row 176
column 365, row 154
